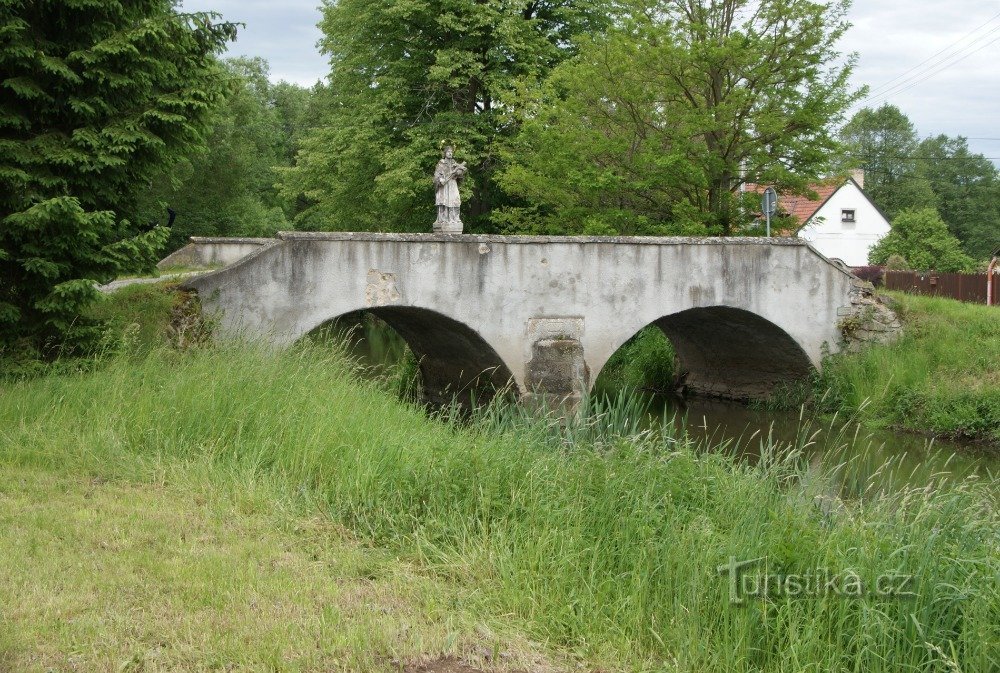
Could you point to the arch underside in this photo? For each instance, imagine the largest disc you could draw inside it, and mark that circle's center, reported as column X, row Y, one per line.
column 732, row 353
column 456, row 363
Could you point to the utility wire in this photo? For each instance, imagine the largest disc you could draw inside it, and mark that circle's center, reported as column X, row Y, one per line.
column 889, row 84
column 901, row 88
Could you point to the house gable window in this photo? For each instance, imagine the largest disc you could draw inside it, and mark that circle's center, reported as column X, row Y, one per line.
column 847, row 216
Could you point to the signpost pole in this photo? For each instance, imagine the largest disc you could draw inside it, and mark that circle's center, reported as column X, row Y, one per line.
column 769, row 204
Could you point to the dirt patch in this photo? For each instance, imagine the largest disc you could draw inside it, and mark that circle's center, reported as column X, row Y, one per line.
column 443, row 665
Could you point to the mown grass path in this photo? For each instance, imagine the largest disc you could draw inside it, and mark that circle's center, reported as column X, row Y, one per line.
column 185, row 571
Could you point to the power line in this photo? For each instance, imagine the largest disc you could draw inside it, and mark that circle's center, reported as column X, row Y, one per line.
column 889, row 84
column 901, row 88
column 924, row 158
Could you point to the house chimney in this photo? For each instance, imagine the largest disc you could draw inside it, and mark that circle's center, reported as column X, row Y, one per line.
column 859, row 176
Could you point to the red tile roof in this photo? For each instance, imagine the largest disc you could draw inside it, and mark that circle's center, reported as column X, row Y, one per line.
column 800, row 209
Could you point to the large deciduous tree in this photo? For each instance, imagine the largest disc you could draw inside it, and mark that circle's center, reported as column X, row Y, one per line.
column 966, row 189
column 654, row 126
column 905, row 173
column 97, row 96
column 226, row 188
column 408, row 75
column 884, row 143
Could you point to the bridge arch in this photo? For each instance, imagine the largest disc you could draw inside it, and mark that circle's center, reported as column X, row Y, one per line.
column 729, row 352
column 456, row 362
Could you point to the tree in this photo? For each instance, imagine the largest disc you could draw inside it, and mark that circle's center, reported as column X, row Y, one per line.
column 884, row 143
column 922, row 239
column 97, row 97
column 251, row 135
column 408, row 75
column 966, row 188
column 654, row 126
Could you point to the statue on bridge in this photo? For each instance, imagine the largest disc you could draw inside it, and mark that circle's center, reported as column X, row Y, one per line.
column 448, row 174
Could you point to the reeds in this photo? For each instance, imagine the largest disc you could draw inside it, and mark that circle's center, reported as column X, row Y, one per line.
column 599, row 534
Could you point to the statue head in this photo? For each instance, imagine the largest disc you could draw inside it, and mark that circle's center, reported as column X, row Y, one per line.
column 449, row 152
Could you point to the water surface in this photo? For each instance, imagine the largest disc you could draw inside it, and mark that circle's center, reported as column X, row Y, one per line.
column 863, row 459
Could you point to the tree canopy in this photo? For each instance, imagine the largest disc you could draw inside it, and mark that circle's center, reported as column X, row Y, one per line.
column 97, row 97
column 922, row 239
column 654, row 126
column 904, row 173
column 966, row 190
column 884, row 143
column 227, row 186
column 408, row 75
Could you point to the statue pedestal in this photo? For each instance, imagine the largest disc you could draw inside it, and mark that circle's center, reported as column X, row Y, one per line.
column 448, row 227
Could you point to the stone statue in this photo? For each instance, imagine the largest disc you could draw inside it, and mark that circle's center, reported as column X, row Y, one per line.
column 447, row 175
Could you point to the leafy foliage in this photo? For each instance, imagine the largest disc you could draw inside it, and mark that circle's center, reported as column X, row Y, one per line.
column 896, row 262
column 407, row 76
column 226, row 187
column 922, row 238
column 884, row 143
column 647, row 130
column 904, row 173
column 966, row 188
column 97, row 96
column 644, row 362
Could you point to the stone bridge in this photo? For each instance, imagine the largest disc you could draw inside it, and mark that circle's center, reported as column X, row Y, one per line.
column 744, row 314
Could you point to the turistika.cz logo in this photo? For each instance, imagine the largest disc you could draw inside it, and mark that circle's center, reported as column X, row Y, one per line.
column 749, row 579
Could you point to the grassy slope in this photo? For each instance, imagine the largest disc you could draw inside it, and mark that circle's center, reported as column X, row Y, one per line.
column 943, row 377
column 186, row 569
column 609, row 550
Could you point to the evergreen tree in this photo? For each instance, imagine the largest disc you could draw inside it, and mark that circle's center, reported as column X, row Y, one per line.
column 408, row 75
column 97, row 97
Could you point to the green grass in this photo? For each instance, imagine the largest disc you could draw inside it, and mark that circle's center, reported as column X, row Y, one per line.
column 942, row 377
column 137, row 317
column 192, row 569
column 644, row 362
column 597, row 539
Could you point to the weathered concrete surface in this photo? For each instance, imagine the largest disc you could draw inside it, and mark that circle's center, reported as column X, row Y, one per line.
column 116, row 285
column 744, row 314
column 206, row 253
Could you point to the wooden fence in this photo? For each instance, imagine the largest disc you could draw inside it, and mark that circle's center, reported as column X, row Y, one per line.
column 970, row 287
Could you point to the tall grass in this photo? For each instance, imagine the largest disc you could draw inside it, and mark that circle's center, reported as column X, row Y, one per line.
column 942, row 377
column 644, row 362
column 596, row 535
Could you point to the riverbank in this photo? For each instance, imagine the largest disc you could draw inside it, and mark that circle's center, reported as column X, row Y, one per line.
column 942, row 378
column 599, row 540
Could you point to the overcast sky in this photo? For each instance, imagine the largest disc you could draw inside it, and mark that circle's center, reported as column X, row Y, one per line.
column 956, row 91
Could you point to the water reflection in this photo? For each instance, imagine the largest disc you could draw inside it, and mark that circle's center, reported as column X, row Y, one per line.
column 860, row 458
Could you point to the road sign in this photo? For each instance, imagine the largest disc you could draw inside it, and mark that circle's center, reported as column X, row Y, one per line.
column 769, row 204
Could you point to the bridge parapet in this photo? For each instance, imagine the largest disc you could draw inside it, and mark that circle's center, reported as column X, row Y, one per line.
column 745, row 314
column 213, row 252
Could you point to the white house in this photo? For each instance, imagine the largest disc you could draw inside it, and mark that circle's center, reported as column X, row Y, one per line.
column 842, row 222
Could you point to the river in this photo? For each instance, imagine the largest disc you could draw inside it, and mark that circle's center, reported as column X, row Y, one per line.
column 861, row 458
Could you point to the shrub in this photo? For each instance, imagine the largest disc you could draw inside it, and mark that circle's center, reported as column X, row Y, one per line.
column 873, row 274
